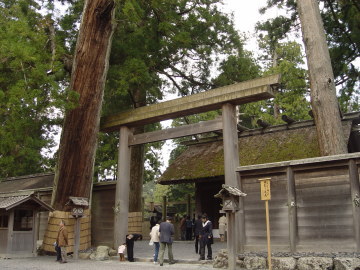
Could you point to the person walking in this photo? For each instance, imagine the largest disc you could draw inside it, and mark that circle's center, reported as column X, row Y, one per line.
column 155, row 239
column 197, row 230
column 62, row 241
column 206, row 238
column 130, row 239
column 166, row 232
column 222, row 227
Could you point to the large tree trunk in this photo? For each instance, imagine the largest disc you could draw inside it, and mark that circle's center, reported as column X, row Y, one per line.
column 136, row 175
column 74, row 171
column 323, row 93
column 137, row 160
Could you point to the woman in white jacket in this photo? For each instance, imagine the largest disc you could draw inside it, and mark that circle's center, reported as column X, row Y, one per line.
column 155, row 238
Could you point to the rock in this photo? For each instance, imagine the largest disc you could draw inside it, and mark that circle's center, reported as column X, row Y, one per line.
column 315, row 263
column 92, row 256
column 280, row 263
column 85, row 255
column 221, row 259
column 255, row 263
column 346, row 263
column 112, row 252
column 101, row 254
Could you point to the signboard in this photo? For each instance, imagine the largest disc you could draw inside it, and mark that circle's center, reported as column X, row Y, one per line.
column 265, row 189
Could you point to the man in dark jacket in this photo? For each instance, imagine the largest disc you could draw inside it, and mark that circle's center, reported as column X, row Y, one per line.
column 206, row 238
column 197, row 230
column 130, row 238
column 166, row 232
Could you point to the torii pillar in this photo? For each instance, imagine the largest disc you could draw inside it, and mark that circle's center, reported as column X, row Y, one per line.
column 235, row 220
column 225, row 98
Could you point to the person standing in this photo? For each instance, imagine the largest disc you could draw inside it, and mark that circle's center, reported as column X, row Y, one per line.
column 189, row 228
column 206, row 238
column 166, row 232
column 222, row 227
column 197, row 230
column 155, row 238
column 62, row 241
column 130, row 238
column 121, row 251
column 183, row 228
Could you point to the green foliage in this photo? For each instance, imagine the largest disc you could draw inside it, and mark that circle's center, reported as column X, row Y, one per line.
column 28, row 90
column 341, row 21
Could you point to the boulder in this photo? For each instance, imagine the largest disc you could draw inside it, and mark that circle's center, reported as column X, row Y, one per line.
column 255, row 263
column 315, row 263
column 101, row 254
column 346, row 263
column 84, row 255
column 221, row 259
column 280, row 263
column 112, row 252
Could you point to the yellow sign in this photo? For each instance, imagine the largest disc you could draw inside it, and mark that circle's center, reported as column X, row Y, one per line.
column 265, row 189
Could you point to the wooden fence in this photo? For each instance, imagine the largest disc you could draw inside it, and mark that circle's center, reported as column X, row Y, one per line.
column 313, row 205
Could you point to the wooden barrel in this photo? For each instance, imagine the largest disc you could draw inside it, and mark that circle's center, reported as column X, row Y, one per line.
column 135, row 222
column 53, row 227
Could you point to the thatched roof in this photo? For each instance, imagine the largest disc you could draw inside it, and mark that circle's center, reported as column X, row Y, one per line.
column 279, row 143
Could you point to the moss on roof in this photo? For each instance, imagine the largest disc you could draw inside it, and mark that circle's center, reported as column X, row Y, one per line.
column 203, row 161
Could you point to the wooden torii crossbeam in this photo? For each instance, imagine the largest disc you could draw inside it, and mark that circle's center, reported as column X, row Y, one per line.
column 236, row 94
column 225, row 98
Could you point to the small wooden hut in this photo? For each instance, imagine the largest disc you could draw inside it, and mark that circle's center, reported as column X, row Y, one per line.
column 19, row 223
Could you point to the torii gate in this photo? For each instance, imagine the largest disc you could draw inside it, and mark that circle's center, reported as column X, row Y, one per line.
column 225, row 98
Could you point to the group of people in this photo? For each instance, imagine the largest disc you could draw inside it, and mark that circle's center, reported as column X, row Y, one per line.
column 161, row 237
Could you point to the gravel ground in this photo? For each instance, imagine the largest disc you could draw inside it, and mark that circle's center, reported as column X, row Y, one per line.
column 184, row 254
column 48, row 262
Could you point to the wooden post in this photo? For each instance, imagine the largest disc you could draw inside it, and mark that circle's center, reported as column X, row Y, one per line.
column 35, row 230
column 10, row 232
column 121, row 209
column 266, row 196
column 231, row 162
column 77, row 238
column 164, row 212
column 188, row 205
column 355, row 191
column 292, row 208
column 240, row 221
column 268, row 233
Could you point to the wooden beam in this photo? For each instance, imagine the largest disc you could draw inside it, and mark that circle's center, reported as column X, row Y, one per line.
column 240, row 93
column 171, row 133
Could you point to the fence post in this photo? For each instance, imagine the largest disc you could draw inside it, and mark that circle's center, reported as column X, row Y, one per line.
column 355, row 193
column 292, row 206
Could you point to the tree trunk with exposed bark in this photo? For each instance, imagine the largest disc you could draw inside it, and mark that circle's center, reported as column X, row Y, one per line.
column 74, row 171
column 137, row 160
column 323, row 93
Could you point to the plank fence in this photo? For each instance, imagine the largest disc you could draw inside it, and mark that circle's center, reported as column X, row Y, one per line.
column 312, row 208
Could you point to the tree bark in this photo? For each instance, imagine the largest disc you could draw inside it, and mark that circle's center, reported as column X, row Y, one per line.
column 136, row 175
column 137, row 160
column 74, row 171
column 323, row 93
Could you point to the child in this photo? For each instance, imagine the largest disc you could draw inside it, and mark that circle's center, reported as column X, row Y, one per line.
column 121, row 251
